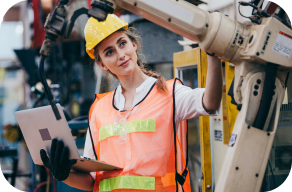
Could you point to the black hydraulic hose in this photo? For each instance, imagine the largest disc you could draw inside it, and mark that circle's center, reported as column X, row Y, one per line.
column 47, row 88
column 75, row 15
column 267, row 96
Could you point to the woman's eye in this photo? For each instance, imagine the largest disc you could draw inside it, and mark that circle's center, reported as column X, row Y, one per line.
column 123, row 43
column 109, row 52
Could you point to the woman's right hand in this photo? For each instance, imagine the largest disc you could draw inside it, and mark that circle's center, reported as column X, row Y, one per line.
column 59, row 163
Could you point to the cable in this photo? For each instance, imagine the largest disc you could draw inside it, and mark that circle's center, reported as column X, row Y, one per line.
column 54, row 185
column 239, row 3
column 256, row 17
column 39, row 186
column 47, row 89
column 248, row 4
column 44, row 182
column 49, row 180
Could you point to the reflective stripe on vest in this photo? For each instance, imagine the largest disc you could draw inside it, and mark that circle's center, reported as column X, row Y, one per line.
column 141, row 125
column 127, row 182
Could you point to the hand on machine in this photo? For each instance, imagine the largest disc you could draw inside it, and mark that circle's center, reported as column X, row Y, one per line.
column 58, row 163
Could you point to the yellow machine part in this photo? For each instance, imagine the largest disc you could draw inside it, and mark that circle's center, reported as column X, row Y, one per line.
column 231, row 108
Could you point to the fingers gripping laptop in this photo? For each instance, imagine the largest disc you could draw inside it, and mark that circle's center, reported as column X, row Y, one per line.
column 39, row 127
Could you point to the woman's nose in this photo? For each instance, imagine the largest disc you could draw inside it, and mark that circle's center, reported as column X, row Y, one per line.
column 121, row 54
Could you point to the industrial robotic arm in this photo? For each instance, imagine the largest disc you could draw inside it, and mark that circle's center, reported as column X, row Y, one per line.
column 260, row 50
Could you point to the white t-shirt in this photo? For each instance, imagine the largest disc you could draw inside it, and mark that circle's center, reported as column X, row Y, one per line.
column 188, row 104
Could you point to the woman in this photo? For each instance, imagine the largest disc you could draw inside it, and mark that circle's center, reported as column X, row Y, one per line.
column 132, row 127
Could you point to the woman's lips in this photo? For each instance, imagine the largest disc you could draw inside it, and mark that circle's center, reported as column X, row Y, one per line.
column 125, row 63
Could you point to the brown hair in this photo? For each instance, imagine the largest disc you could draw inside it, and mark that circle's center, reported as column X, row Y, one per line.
column 134, row 37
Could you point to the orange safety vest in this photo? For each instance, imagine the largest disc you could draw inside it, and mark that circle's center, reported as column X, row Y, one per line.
column 148, row 156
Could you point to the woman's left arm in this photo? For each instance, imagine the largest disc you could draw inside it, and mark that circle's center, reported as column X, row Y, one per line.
column 214, row 84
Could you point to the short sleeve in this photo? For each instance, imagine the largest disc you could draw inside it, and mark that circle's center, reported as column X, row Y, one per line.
column 189, row 103
column 88, row 151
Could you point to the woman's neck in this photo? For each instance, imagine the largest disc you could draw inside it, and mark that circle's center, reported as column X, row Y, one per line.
column 129, row 83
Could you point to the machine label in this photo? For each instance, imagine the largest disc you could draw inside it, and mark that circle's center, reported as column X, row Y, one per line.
column 232, row 140
column 218, row 135
column 283, row 44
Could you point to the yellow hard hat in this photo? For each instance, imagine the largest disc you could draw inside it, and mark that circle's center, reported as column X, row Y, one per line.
column 96, row 31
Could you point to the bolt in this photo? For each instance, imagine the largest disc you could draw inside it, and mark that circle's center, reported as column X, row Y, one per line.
column 248, row 127
column 259, row 81
column 258, row 54
column 135, row 4
column 207, row 25
column 236, row 168
column 169, row 19
column 208, row 186
column 256, row 87
column 268, row 134
column 255, row 93
column 257, row 175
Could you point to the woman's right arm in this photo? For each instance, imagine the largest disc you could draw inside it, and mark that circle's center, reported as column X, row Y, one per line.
column 81, row 181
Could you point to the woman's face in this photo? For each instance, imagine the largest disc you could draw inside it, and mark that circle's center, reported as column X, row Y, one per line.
column 118, row 54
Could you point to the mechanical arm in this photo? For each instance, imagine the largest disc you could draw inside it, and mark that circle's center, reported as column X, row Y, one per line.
column 260, row 50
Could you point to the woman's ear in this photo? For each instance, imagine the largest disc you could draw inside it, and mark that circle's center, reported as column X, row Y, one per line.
column 135, row 45
column 101, row 65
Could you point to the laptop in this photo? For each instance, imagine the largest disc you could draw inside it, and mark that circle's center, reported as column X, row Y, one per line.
column 39, row 126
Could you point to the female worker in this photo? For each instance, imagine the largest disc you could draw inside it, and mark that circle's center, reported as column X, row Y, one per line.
column 132, row 127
